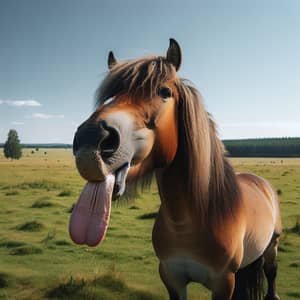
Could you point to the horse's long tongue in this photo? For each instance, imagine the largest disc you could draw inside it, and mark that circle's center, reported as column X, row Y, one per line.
column 90, row 216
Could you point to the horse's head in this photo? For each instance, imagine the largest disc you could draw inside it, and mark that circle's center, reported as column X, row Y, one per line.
column 147, row 118
column 133, row 131
column 134, row 127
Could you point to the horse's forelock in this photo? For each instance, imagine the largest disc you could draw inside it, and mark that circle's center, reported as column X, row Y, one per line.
column 136, row 78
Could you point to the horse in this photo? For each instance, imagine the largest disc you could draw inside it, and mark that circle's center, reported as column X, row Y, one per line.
column 213, row 226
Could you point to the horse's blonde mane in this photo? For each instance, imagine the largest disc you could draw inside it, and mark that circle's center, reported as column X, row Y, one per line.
column 211, row 184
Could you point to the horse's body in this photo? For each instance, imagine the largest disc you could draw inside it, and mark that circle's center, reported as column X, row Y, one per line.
column 190, row 253
column 214, row 227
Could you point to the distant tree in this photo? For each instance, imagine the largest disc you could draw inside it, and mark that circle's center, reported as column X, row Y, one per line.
column 37, row 149
column 12, row 147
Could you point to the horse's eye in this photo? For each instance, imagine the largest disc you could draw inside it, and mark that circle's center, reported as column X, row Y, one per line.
column 165, row 93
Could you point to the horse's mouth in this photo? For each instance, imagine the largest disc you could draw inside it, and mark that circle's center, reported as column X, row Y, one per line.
column 120, row 181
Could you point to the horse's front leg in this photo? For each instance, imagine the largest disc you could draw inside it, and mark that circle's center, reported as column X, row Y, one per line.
column 175, row 283
column 223, row 287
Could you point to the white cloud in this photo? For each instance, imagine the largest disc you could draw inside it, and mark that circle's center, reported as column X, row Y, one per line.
column 17, row 123
column 46, row 116
column 19, row 103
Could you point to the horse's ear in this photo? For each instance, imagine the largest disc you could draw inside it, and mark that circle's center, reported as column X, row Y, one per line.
column 174, row 54
column 111, row 61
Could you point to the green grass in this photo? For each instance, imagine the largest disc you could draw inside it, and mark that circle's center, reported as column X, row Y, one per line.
column 40, row 261
column 108, row 287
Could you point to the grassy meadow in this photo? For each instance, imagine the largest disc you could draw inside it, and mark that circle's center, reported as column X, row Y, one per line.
column 39, row 261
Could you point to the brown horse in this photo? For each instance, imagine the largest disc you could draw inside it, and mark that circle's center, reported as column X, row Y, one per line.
column 214, row 227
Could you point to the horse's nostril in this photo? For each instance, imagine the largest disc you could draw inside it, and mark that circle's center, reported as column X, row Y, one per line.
column 110, row 144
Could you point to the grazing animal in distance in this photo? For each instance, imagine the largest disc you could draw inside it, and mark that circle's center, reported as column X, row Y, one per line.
column 214, row 227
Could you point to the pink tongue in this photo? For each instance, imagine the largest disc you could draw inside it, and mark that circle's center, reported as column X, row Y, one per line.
column 90, row 216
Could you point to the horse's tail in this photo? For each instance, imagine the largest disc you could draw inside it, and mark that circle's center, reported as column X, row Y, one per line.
column 249, row 282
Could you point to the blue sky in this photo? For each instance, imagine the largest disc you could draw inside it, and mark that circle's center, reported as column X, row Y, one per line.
column 243, row 56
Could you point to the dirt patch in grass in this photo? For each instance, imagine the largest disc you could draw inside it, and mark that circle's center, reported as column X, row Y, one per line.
column 26, row 250
column 33, row 226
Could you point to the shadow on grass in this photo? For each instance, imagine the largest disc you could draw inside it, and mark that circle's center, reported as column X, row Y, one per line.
column 11, row 244
column 69, row 210
column 26, row 250
column 12, row 193
column 33, row 226
column 295, row 228
column 3, row 280
column 134, row 207
column 294, row 294
column 108, row 287
column 64, row 193
column 62, row 243
column 41, row 203
column 152, row 215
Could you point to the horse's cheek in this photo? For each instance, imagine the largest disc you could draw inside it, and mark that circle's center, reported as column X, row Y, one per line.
column 166, row 135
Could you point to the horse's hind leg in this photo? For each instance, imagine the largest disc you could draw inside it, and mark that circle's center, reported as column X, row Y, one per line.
column 175, row 285
column 270, row 268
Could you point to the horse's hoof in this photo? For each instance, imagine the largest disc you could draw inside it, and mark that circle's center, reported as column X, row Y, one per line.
column 276, row 297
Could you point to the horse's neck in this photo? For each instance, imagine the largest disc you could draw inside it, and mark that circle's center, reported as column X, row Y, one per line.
column 178, row 205
column 172, row 192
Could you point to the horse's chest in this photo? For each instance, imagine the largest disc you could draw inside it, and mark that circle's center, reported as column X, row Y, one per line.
column 186, row 270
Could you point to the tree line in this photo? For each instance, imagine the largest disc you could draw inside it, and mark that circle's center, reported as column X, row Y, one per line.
column 265, row 147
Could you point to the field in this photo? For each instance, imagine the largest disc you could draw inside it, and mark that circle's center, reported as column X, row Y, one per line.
column 39, row 261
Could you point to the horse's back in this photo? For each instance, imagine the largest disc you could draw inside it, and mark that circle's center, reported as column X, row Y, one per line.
column 261, row 211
